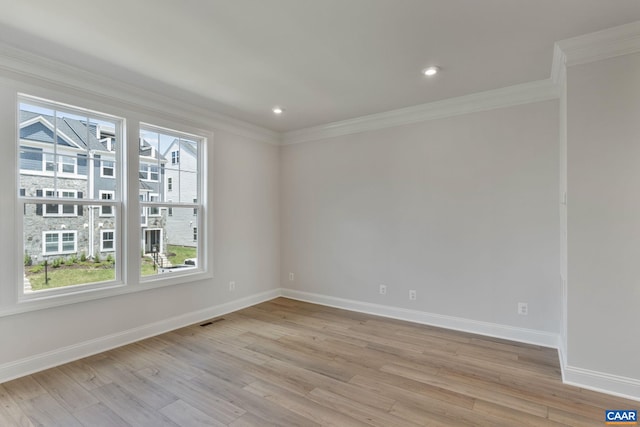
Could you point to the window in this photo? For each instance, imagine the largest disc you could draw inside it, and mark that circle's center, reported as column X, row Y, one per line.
column 173, row 229
column 154, row 210
column 143, row 210
column 63, row 165
column 106, row 210
column 55, row 209
column 149, row 172
column 107, row 239
column 107, row 169
column 70, row 212
column 72, row 187
column 59, row 242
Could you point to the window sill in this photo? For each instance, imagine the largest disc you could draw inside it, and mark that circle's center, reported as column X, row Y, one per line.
column 50, row 300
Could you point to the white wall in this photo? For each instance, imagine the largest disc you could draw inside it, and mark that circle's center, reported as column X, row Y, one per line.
column 603, row 217
column 463, row 209
column 244, row 240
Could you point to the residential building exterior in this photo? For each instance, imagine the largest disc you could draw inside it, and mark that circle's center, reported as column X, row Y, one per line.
column 65, row 157
column 181, row 185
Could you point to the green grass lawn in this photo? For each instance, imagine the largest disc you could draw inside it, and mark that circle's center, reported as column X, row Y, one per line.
column 68, row 275
column 177, row 254
column 146, row 267
column 84, row 272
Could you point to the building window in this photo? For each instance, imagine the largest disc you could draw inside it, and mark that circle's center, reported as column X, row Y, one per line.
column 56, row 209
column 169, row 184
column 107, row 169
column 154, row 210
column 60, row 164
column 59, row 242
column 61, row 221
column 175, row 157
column 107, row 240
column 143, row 209
column 149, row 172
column 195, row 210
column 106, row 210
column 195, row 234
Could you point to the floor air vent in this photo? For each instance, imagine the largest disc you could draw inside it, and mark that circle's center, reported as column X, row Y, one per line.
column 211, row 322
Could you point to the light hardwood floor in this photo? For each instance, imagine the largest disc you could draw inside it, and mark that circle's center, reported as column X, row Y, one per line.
column 286, row 362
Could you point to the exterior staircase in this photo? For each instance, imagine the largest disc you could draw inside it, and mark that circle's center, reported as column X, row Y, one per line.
column 159, row 259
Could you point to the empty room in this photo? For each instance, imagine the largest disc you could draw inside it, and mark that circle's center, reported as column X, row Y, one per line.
column 320, row 212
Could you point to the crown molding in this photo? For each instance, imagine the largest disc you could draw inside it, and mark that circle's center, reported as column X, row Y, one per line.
column 541, row 90
column 17, row 64
column 616, row 41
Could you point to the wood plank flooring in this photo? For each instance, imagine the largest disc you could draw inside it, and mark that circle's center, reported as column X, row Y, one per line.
column 289, row 363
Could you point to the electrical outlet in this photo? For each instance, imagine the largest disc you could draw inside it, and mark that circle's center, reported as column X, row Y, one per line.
column 523, row 308
column 412, row 294
column 232, row 286
column 291, row 276
column 383, row 289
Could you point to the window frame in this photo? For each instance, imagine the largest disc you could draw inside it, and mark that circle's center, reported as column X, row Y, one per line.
column 101, row 194
column 60, row 241
column 199, row 204
column 26, row 299
column 13, row 299
column 103, row 167
column 112, row 240
column 56, row 195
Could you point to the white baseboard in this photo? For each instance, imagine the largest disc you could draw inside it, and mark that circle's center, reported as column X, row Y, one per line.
column 628, row 388
column 39, row 362
column 529, row 336
column 562, row 355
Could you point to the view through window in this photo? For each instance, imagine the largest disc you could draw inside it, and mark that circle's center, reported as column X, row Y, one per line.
column 68, row 165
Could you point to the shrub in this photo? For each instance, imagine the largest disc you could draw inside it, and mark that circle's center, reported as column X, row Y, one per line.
column 110, row 259
column 83, row 257
column 56, row 263
column 27, row 260
column 73, row 259
column 96, row 259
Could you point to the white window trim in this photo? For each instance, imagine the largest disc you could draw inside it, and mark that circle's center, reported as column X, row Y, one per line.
column 175, row 157
column 102, row 248
column 113, row 195
column 60, row 205
column 60, row 242
column 103, row 167
column 169, row 183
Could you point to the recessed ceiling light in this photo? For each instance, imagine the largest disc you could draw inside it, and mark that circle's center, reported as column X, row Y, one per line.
column 277, row 110
column 431, row 71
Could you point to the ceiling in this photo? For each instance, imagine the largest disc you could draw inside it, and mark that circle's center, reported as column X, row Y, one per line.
column 322, row 60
